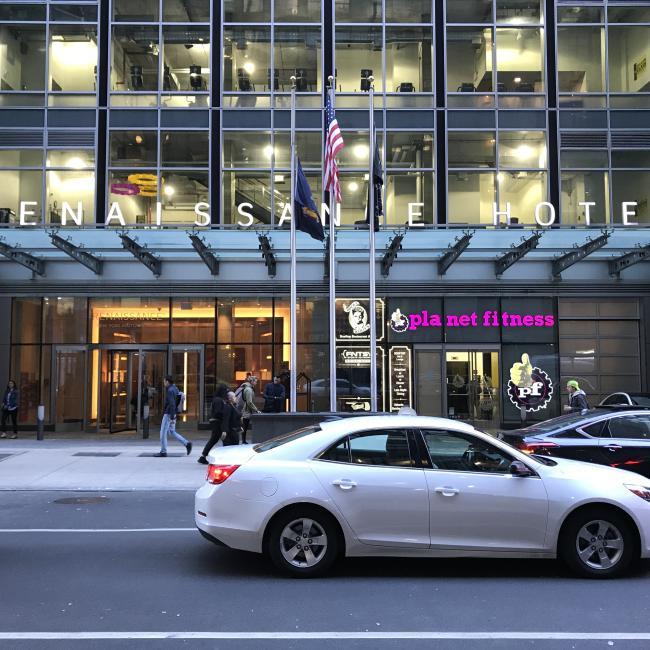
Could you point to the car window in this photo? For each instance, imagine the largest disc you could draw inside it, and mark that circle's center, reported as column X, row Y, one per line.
column 386, row 447
column 615, row 399
column 631, row 426
column 548, row 426
column 285, row 438
column 462, row 452
column 641, row 400
column 569, row 433
column 597, row 429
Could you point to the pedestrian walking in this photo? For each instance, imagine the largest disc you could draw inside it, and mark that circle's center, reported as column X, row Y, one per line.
column 274, row 396
column 173, row 406
column 10, row 405
column 248, row 405
column 235, row 430
column 218, row 408
column 577, row 398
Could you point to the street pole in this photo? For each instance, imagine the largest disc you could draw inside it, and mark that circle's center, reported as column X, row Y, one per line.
column 332, row 281
column 293, row 363
column 371, row 253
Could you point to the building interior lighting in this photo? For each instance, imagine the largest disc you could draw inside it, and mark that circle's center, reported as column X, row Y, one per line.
column 169, row 190
column 517, row 80
column 268, row 151
column 524, row 152
column 353, row 186
column 361, row 151
column 75, row 163
column 249, row 66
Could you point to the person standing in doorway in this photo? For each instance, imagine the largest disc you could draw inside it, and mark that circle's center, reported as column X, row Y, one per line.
column 247, row 396
column 10, row 409
column 577, row 398
column 173, row 398
column 218, row 408
column 274, row 396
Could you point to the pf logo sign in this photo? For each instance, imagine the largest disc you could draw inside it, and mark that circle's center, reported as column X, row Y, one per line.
column 529, row 386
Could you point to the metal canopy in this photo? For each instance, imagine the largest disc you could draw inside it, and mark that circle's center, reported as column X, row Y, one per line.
column 390, row 255
column 267, row 254
column 77, row 253
column 454, row 252
column 28, row 261
column 211, row 261
column 641, row 254
column 502, row 264
column 579, row 253
column 141, row 254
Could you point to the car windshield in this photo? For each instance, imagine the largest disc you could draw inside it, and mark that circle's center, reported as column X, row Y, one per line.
column 556, row 423
column 285, row 438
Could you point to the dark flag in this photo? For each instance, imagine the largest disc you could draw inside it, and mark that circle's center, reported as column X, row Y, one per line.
column 307, row 218
column 375, row 185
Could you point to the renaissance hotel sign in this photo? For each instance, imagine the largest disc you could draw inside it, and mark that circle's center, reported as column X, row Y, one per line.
column 544, row 214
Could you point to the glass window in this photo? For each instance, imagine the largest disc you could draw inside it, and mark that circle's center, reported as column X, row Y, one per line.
column 70, row 192
column 186, row 64
column 185, row 148
column 522, row 149
column 631, row 187
column 247, row 149
column 339, row 453
column 471, row 197
column 584, row 159
column 313, row 365
column 135, row 57
column 628, row 14
column 247, row 197
column 26, row 372
column 518, row 12
column 285, row 438
column 247, row 59
column 21, row 158
column 519, row 60
column 407, row 149
column 20, row 185
column 143, row 11
column 236, row 360
column 469, row 11
column 186, row 11
column 472, row 149
column 250, row 11
column 628, row 69
column 409, row 59
column 523, row 190
column 22, row 12
column 409, row 193
column 414, row 11
column 308, row 146
column 353, row 11
column 297, row 11
column 193, row 320
column 133, row 148
column 246, row 321
column 73, row 13
column 73, row 58
column 469, row 60
column 630, row 426
column 180, row 192
column 22, row 57
column 597, row 429
column 579, row 14
column 297, row 52
column 26, row 320
column 354, row 193
column 64, row 320
column 388, row 448
column 580, row 59
column 640, row 158
column 70, row 158
column 132, row 196
column 358, row 56
column 129, row 320
column 580, row 187
column 461, row 452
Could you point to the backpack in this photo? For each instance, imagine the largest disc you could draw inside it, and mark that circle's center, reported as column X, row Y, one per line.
column 239, row 397
column 180, row 402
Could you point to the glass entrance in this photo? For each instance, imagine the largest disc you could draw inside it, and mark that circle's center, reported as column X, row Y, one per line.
column 69, row 383
column 428, row 382
column 186, row 368
column 472, row 382
column 120, row 391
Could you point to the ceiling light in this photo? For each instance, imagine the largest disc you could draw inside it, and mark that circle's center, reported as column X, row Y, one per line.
column 517, row 80
column 139, row 139
column 268, row 151
column 169, row 190
column 361, row 150
column 501, row 177
column 523, row 152
column 353, row 186
column 75, row 163
column 279, row 178
column 249, row 66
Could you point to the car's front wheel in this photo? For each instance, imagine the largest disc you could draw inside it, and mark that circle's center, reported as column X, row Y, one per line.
column 598, row 544
column 304, row 542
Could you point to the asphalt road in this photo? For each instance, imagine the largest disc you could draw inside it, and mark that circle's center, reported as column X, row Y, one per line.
column 128, row 580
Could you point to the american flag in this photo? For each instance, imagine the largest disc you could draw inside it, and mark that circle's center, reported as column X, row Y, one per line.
column 333, row 144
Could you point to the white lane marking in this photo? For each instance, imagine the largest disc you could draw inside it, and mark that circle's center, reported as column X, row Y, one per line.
column 378, row 636
column 96, row 530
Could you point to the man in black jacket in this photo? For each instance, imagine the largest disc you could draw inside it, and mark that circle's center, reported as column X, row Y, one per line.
column 168, row 424
column 218, row 409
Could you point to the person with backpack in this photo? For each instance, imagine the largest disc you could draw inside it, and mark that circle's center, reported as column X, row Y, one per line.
column 219, row 420
column 174, row 403
column 245, row 399
column 577, row 398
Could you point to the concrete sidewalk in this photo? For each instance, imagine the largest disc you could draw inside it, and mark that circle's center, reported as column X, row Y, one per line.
column 98, row 465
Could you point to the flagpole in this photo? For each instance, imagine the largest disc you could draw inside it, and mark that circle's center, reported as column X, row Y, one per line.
column 332, row 282
column 293, row 356
column 371, row 253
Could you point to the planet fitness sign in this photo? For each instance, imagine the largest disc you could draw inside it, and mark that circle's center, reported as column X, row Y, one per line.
column 529, row 388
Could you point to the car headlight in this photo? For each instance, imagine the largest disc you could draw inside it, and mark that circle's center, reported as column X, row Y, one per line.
column 642, row 491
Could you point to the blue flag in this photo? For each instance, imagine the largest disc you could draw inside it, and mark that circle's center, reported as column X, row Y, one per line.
column 306, row 213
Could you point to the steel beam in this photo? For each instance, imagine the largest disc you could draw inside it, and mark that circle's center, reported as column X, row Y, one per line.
column 30, row 262
column 141, row 254
column 267, row 254
column 390, row 254
column 205, row 253
column 454, row 252
column 77, row 253
column 503, row 263
column 640, row 254
column 578, row 253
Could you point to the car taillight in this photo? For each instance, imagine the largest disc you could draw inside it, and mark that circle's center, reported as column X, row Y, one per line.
column 217, row 474
column 537, row 447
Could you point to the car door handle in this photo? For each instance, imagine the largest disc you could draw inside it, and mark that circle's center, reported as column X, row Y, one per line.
column 344, row 483
column 446, row 491
column 614, row 447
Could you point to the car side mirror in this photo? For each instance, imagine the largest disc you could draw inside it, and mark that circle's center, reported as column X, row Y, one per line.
column 517, row 468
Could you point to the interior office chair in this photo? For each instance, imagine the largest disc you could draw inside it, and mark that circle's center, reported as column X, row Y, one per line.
column 244, row 82
column 501, row 87
column 466, row 87
column 525, row 87
column 406, row 87
column 365, row 83
column 196, row 78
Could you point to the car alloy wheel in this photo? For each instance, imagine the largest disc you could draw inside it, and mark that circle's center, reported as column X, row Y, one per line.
column 600, row 544
column 303, row 543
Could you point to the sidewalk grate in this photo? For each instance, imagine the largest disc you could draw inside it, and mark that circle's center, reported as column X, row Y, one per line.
column 168, row 455
column 98, row 454
column 4, row 456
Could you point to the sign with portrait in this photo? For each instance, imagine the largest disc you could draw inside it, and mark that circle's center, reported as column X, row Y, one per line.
column 353, row 319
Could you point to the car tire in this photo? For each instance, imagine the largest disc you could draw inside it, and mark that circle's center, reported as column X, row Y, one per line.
column 598, row 543
column 304, row 542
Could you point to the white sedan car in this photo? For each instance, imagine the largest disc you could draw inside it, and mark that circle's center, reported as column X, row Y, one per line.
column 418, row 487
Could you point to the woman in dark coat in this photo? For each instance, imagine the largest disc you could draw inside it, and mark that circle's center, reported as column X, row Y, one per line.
column 10, row 409
column 219, row 416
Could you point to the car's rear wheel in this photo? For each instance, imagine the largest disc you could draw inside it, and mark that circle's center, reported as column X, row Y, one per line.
column 304, row 542
column 598, row 544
